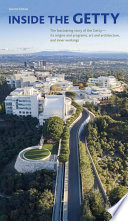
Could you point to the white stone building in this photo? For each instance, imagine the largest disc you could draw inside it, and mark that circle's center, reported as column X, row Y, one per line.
column 55, row 105
column 24, row 101
column 55, row 78
column 28, row 101
column 60, row 81
column 107, row 82
column 41, row 80
column 95, row 94
column 21, row 80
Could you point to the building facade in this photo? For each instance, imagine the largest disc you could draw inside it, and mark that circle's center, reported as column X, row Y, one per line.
column 24, row 102
column 21, row 80
column 109, row 82
column 29, row 102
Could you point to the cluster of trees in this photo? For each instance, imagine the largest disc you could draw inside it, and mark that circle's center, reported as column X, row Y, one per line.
column 94, row 208
column 23, row 197
column 94, row 109
column 120, row 76
column 53, row 129
column 70, row 94
column 76, row 114
column 108, row 145
column 30, row 196
column 17, row 133
column 87, row 176
column 117, row 193
column 65, row 151
column 107, row 138
column 117, row 109
column 4, row 92
column 4, row 89
column 121, row 102
column 79, row 76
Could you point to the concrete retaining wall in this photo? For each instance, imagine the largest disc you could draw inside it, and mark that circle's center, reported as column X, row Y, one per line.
column 83, row 125
column 59, row 176
column 23, row 165
column 75, row 121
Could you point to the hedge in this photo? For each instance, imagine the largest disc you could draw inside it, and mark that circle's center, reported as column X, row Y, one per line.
column 65, row 149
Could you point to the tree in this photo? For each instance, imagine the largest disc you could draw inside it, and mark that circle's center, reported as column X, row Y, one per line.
column 81, row 86
column 96, row 204
column 85, row 170
column 117, row 193
column 70, row 94
column 53, row 128
column 45, row 205
column 28, row 197
column 86, row 212
column 93, row 207
column 64, row 157
column 55, row 87
column 4, row 89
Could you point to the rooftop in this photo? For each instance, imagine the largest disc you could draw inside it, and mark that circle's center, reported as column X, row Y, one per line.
column 53, row 105
column 24, row 91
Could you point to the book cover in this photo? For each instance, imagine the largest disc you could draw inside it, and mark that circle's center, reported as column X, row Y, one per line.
column 63, row 110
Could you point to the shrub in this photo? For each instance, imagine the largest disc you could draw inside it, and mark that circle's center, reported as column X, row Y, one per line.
column 53, row 128
column 117, row 193
column 65, row 136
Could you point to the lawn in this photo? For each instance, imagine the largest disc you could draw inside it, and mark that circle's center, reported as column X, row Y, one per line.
column 37, row 154
column 53, row 148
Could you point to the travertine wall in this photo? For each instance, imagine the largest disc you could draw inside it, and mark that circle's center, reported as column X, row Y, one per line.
column 24, row 165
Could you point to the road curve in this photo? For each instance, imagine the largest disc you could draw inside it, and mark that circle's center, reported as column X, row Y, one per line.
column 74, row 180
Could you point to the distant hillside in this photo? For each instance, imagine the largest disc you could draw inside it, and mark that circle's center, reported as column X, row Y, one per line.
column 120, row 55
column 50, row 54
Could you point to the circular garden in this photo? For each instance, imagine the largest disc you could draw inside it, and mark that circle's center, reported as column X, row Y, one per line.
column 36, row 154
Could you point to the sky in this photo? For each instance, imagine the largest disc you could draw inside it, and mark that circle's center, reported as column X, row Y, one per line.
column 19, row 38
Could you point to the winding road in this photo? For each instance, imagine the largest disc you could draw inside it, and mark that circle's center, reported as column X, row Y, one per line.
column 74, row 195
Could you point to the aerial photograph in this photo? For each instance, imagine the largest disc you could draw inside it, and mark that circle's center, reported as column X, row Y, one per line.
column 63, row 110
